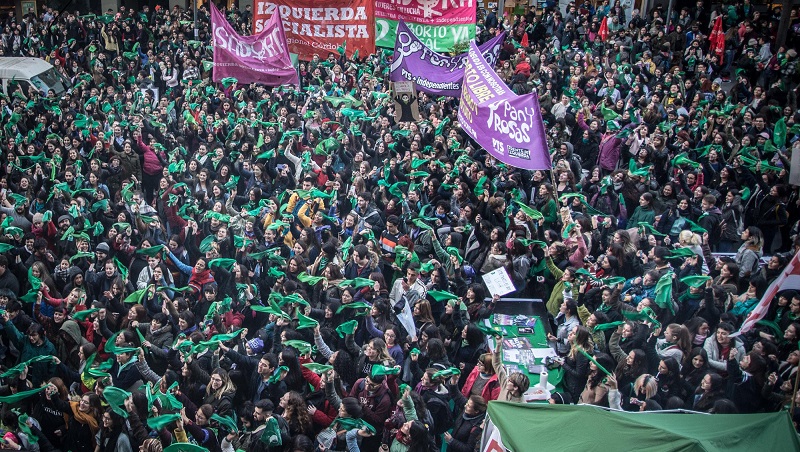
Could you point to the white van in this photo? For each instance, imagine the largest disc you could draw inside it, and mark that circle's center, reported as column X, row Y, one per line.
column 31, row 71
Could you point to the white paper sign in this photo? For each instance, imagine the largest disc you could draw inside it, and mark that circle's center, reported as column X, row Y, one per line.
column 498, row 282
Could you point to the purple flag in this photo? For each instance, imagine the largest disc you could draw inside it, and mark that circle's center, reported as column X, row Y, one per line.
column 434, row 73
column 262, row 58
column 508, row 126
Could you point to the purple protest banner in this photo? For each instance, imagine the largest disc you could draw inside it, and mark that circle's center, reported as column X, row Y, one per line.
column 262, row 58
column 508, row 126
column 434, row 73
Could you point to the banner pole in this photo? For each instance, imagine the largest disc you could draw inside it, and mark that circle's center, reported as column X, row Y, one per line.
column 794, row 392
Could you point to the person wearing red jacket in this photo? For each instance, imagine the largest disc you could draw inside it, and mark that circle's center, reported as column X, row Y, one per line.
column 324, row 414
column 482, row 375
column 372, row 392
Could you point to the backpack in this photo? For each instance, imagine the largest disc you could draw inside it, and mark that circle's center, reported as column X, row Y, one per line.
column 440, row 412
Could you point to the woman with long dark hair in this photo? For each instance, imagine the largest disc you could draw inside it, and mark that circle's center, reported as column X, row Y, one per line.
column 112, row 437
column 220, row 392
column 295, row 411
column 413, row 435
column 294, row 378
column 711, row 389
column 84, row 422
column 695, row 369
column 627, row 371
column 669, row 381
column 465, row 351
column 575, row 364
column 595, row 392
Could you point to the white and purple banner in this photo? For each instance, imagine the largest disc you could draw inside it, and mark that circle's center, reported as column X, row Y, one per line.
column 508, row 126
column 433, row 73
column 262, row 58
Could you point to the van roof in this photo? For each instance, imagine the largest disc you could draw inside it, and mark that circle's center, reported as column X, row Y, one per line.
column 21, row 67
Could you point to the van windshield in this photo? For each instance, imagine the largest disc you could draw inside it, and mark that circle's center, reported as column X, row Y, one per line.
column 50, row 80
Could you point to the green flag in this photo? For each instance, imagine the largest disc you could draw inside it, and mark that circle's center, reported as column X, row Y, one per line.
column 359, row 305
column 16, row 370
column 305, row 322
column 318, row 368
column 14, row 398
column 608, row 326
column 529, row 211
column 83, row 315
column 442, row 295
column 449, row 372
column 226, row 421
column 779, row 134
column 116, row 399
column 137, row 296
column 271, row 435
column 348, row 327
column 695, row 281
column 159, row 422
column 664, row 292
column 302, row 346
column 310, row 280
column 378, row 369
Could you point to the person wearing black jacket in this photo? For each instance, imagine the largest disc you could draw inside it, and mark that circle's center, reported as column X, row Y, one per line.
column 746, row 388
column 124, row 373
column 467, row 428
column 711, row 219
column 257, row 375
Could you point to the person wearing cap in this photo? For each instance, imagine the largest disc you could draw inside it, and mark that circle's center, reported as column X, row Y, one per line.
column 102, row 251
column 254, row 346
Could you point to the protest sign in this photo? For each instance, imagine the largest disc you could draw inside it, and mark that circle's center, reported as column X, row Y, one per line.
column 339, row 25
column 406, row 107
column 498, row 282
column 434, row 73
column 508, row 126
column 262, row 58
column 439, row 25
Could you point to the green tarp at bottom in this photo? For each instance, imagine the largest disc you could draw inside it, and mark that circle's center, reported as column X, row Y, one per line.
column 570, row 427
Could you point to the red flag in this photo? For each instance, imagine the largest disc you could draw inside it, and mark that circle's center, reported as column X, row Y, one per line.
column 603, row 31
column 717, row 38
column 524, row 41
column 788, row 279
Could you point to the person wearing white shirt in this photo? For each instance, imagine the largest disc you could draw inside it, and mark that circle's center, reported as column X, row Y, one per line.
column 559, row 110
column 405, row 292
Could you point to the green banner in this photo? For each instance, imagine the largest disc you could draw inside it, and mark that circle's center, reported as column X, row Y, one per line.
column 438, row 38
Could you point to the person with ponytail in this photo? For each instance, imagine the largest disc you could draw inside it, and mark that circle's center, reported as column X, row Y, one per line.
column 676, row 343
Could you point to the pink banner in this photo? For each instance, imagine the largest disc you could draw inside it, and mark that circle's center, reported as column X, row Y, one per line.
column 262, row 58
column 508, row 126
column 448, row 12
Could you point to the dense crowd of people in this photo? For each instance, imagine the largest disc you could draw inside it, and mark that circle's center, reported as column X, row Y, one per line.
column 224, row 266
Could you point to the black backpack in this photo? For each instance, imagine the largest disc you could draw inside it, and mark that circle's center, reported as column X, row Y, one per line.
column 440, row 412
